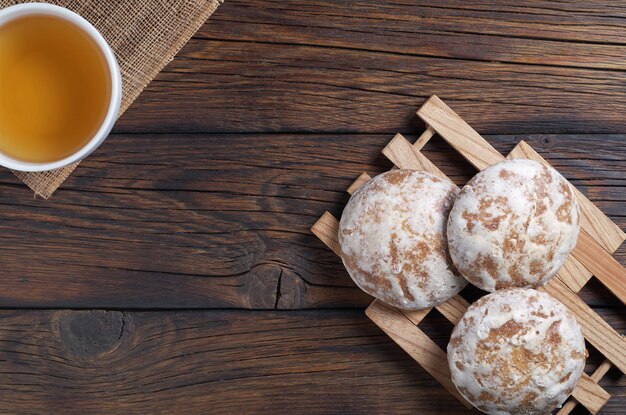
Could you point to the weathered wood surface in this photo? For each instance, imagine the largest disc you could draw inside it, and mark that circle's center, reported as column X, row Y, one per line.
column 316, row 362
column 204, row 196
column 263, row 65
column 204, row 221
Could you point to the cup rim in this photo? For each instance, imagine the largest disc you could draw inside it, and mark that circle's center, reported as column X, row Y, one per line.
column 26, row 9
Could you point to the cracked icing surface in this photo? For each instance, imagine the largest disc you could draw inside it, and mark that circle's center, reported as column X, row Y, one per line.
column 393, row 239
column 516, row 351
column 513, row 225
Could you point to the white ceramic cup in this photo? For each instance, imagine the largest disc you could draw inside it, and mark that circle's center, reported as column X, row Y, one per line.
column 27, row 9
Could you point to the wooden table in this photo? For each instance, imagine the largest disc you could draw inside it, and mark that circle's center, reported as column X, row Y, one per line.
column 130, row 290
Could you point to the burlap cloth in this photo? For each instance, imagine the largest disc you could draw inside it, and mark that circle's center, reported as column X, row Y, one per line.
column 144, row 35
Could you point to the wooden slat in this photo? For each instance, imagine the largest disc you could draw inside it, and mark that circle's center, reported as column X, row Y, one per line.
column 414, row 316
column 597, row 375
column 597, row 331
column 360, row 181
column 401, row 153
column 610, row 272
column 327, row 226
column 453, row 309
column 590, row 394
column 458, row 133
column 574, row 274
column 602, row 370
column 593, row 220
column 416, row 343
column 326, row 229
column 424, row 138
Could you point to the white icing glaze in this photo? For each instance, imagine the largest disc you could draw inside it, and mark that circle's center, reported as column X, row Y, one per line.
column 393, row 239
column 513, row 225
column 516, row 351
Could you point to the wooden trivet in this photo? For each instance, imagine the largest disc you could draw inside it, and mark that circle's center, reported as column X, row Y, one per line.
column 599, row 238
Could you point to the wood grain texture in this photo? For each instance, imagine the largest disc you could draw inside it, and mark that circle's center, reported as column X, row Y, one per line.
column 229, row 226
column 319, row 362
column 596, row 376
column 416, row 343
column 350, row 66
column 590, row 395
column 199, row 362
column 458, row 133
column 205, row 195
column 606, row 268
column 407, row 156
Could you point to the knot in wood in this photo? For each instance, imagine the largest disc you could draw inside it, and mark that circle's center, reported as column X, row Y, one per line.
column 91, row 333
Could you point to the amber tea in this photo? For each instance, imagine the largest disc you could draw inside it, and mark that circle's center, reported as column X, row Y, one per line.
column 55, row 88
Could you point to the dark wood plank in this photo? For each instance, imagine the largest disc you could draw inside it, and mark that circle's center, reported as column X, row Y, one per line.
column 351, row 24
column 276, row 66
column 317, row 362
column 206, row 221
column 186, row 207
